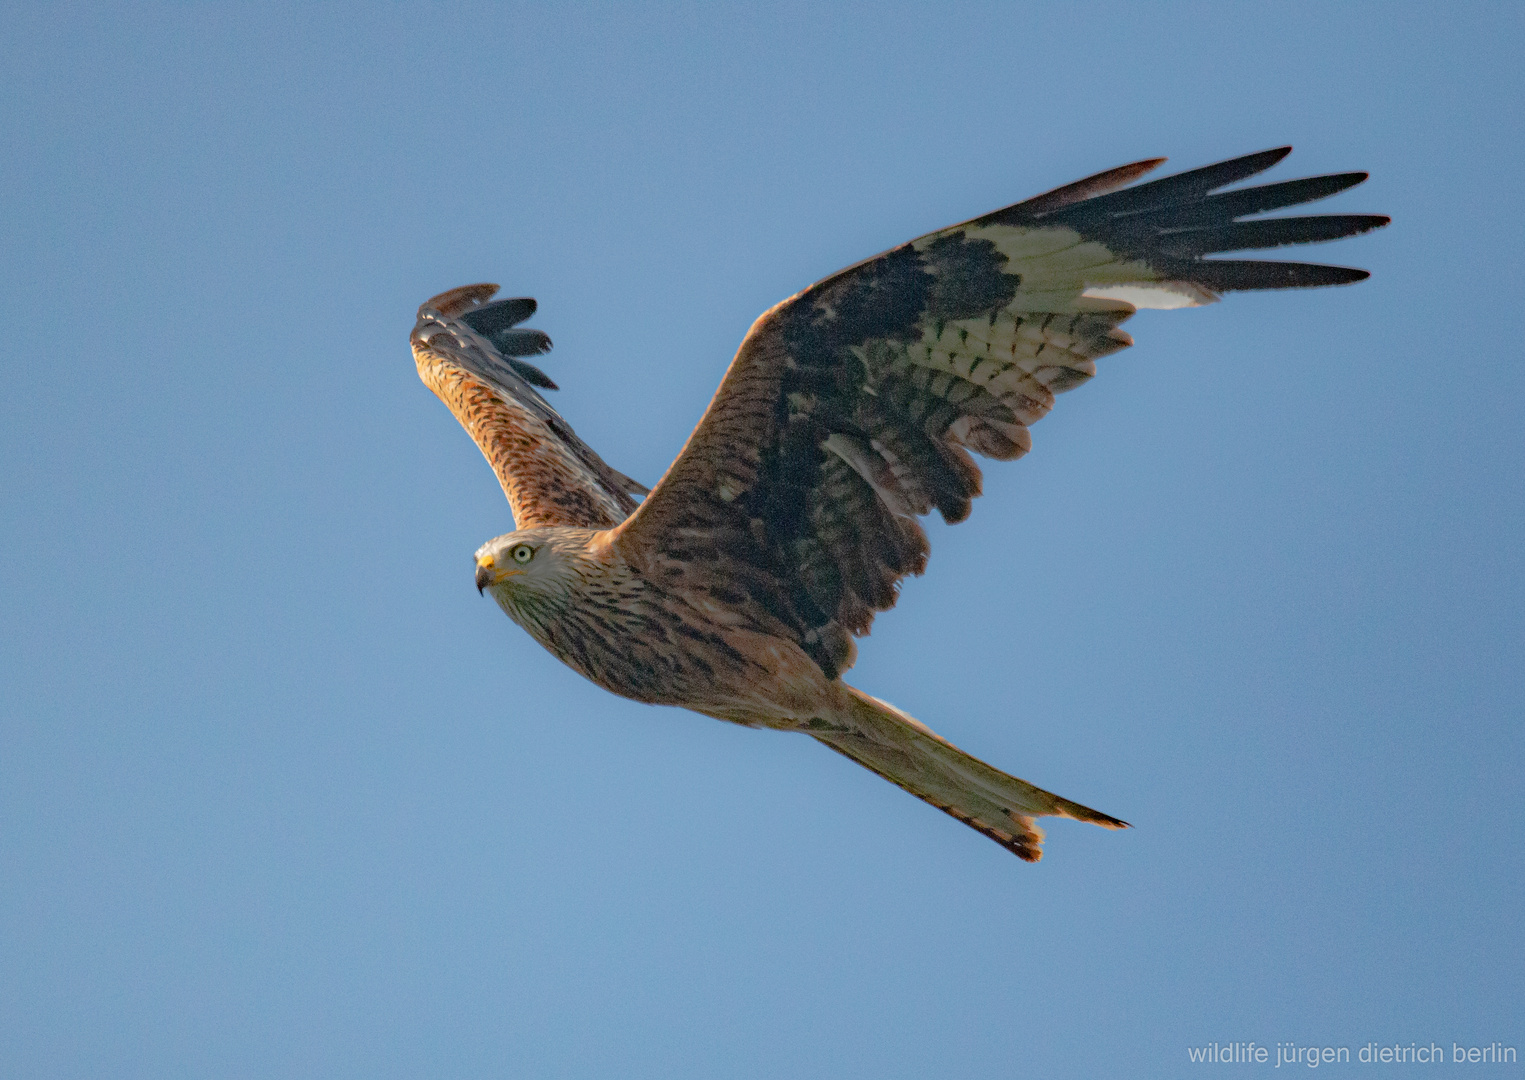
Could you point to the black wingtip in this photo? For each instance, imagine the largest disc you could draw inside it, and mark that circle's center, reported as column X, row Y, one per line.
column 1174, row 221
column 489, row 319
column 531, row 374
column 1246, row 164
column 1231, row 275
column 520, row 341
column 1080, row 190
column 1195, row 240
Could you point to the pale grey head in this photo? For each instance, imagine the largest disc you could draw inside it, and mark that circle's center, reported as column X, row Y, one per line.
column 532, row 571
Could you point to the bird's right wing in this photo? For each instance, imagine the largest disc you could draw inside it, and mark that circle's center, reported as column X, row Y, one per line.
column 469, row 352
column 850, row 409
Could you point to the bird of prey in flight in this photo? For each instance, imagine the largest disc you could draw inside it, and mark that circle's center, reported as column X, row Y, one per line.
column 737, row 586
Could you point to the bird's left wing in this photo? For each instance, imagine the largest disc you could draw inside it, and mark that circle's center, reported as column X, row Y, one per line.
column 851, row 408
column 469, row 352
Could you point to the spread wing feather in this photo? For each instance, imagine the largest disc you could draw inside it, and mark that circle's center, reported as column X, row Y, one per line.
column 468, row 352
column 851, row 408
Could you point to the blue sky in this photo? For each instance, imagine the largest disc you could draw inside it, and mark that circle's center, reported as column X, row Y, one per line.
column 281, row 796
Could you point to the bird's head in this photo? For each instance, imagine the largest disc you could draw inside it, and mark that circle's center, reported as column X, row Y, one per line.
column 531, row 566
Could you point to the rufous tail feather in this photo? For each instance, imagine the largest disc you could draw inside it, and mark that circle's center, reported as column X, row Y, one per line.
column 907, row 753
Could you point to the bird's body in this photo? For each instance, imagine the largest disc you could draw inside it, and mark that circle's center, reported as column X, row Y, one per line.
column 736, row 588
column 604, row 618
column 574, row 592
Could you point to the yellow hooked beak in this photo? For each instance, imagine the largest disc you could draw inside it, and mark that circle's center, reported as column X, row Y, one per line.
column 489, row 574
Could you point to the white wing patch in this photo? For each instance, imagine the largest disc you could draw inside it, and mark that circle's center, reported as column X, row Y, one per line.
column 1058, row 266
column 1161, row 296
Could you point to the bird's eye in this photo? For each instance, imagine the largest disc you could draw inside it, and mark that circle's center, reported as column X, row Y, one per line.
column 523, row 553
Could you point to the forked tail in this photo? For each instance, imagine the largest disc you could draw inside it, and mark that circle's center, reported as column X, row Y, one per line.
column 907, row 753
